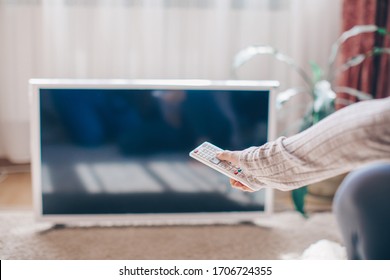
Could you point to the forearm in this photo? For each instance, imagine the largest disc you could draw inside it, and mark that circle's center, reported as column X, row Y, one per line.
column 345, row 140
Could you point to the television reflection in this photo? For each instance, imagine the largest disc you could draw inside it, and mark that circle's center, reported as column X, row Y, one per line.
column 119, row 151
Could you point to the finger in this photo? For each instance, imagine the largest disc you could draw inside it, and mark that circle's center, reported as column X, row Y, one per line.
column 238, row 185
column 230, row 156
column 225, row 155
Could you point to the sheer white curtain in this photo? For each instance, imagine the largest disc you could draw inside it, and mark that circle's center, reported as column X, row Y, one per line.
column 148, row 39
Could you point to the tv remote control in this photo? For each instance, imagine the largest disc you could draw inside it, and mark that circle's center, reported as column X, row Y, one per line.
column 206, row 154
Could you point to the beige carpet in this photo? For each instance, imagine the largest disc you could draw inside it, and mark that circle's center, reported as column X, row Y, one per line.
column 284, row 233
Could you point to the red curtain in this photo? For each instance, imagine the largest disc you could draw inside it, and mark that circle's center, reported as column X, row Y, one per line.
column 373, row 75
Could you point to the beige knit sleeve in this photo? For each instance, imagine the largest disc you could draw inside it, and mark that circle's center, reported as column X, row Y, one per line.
column 349, row 138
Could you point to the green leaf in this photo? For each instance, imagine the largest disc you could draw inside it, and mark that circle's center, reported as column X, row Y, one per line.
column 317, row 71
column 298, row 197
column 376, row 51
column 382, row 31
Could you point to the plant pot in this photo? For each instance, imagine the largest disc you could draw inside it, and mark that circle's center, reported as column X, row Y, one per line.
column 326, row 188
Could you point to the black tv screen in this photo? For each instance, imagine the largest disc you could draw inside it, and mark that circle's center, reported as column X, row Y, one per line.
column 125, row 150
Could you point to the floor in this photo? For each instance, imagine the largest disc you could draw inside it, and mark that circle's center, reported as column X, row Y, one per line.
column 15, row 187
column 284, row 235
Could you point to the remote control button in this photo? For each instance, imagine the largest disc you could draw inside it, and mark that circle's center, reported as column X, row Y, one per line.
column 215, row 160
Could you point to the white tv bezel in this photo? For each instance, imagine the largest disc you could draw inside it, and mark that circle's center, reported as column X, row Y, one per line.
column 35, row 85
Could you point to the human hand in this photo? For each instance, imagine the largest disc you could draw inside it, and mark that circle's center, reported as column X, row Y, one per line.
column 234, row 158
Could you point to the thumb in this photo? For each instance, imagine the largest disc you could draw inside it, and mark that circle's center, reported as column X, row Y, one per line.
column 228, row 156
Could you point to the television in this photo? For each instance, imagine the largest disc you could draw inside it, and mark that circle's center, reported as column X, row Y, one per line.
column 118, row 150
